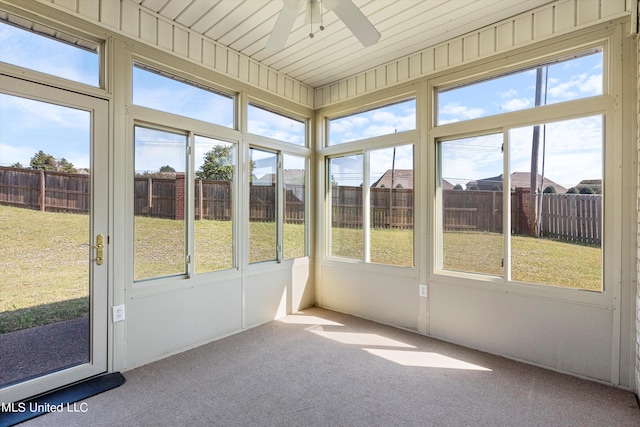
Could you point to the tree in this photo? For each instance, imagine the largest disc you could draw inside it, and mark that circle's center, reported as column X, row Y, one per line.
column 550, row 190
column 457, row 187
column 167, row 169
column 218, row 164
column 63, row 165
column 573, row 190
column 587, row 190
column 17, row 165
column 43, row 161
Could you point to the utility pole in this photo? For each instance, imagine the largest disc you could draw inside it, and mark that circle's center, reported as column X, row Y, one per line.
column 535, row 145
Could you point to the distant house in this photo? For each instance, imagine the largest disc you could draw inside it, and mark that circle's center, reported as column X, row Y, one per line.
column 518, row 180
column 402, row 178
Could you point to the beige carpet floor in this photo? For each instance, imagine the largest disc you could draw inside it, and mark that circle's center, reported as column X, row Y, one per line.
column 321, row 368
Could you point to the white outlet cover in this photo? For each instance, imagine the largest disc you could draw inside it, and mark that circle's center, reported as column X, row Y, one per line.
column 118, row 313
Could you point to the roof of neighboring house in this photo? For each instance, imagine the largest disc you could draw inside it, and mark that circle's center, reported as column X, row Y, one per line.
column 596, row 184
column 402, row 177
column 446, row 185
column 291, row 176
column 518, row 180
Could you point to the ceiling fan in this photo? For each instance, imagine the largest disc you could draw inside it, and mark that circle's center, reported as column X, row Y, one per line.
column 348, row 12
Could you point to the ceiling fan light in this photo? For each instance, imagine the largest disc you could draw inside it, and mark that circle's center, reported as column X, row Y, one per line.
column 312, row 16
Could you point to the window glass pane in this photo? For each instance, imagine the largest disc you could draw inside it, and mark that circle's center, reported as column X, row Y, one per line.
column 168, row 93
column 51, row 52
column 567, row 80
column 215, row 163
column 556, row 232
column 471, row 185
column 160, row 204
column 272, row 125
column 295, row 178
column 345, row 183
column 391, row 196
column 381, row 121
column 262, row 206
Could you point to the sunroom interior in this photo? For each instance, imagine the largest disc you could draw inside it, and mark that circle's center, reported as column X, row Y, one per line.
column 227, row 184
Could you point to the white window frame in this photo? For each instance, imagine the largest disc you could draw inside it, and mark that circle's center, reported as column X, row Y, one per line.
column 604, row 105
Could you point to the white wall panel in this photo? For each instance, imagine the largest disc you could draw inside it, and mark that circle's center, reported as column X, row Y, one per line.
column 165, row 35
column 180, row 41
column 455, row 52
column 195, row 47
column 89, row 9
column 130, row 19
column 110, row 14
column 148, row 27
column 166, row 323
column 273, row 291
column 587, row 11
column 565, row 16
column 554, row 334
column 470, row 47
column 523, row 30
column 504, row 36
column 385, row 297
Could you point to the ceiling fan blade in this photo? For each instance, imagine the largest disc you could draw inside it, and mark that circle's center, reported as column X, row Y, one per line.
column 355, row 20
column 283, row 26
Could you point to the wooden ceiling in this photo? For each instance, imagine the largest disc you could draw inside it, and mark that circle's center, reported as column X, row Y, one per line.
column 406, row 26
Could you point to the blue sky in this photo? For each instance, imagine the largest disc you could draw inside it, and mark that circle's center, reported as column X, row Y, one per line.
column 574, row 148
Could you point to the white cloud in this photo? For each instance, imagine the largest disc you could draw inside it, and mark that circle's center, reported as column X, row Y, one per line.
column 516, row 104
column 509, row 93
column 464, row 112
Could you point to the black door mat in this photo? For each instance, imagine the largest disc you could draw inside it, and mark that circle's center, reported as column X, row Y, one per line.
column 63, row 399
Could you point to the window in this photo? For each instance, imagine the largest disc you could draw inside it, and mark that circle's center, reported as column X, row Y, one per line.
column 159, row 208
column 471, row 204
column 166, row 92
column 215, row 165
column 556, row 232
column 43, row 49
column 372, row 219
column 345, row 206
column 294, row 228
column 391, row 205
column 385, row 120
column 276, row 126
column 526, row 203
column 263, row 220
column 567, row 79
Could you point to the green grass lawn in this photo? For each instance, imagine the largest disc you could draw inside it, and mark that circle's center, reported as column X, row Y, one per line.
column 44, row 257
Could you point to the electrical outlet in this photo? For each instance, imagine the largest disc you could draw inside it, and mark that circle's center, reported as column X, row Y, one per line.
column 423, row 290
column 118, row 313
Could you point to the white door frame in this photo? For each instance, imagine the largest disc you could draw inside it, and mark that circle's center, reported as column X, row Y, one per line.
column 98, row 313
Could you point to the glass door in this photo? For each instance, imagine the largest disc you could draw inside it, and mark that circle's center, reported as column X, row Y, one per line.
column 53, row 238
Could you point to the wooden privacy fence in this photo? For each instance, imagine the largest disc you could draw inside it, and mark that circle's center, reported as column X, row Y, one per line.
column 347, row 207
column 156, row 197
column 44, row 190
column 572, row 217
column 569, row 217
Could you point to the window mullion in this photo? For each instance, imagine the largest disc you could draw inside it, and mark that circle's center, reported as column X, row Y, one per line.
column 366, row 207
column 506, row 209
column 279, row 208
column 190, row 205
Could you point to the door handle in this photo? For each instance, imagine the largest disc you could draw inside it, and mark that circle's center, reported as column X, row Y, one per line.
column 99, row 249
